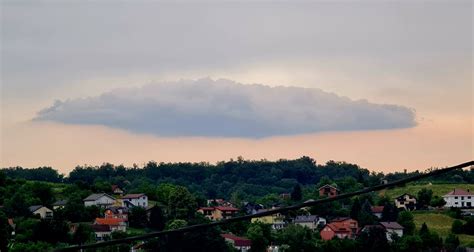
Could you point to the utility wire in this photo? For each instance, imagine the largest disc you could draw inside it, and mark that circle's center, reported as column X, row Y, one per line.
column 269, row 212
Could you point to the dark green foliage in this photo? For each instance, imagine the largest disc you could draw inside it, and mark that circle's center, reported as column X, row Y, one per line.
column 468, row 227
column 260, row 234
column 373, row 239
column 356, row 208
column 137, row 217
column 296, row 194
column 451, row 242
column 31, row 247
column 390, row 212
column 83, row 234
column 157, row 219
column 46, row 174
column 298, row 238
column 5, row 231
column 457, row 227
column 51, row 231
column 424, row 197
column 437, row 201
column 405, row 218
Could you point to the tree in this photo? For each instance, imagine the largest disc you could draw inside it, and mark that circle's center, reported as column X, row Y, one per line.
column 43, row 192
column 431, row 240
column 4, row 231
column 260, row 235
column 374, row 239
column 355, row 209
column 296, row 194
column 457, row 227
column 181, row 203
column 82, row 234
column 137, row 217
column 437, row 201
column 298, row 238
column 177, row 223
column 405, row 218
column 157, row 219
column 451, row 242
column 390, row 212
column 424, row 197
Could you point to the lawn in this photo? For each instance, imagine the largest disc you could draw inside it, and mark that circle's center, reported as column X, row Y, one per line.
column 441, row 223
column 438, row 189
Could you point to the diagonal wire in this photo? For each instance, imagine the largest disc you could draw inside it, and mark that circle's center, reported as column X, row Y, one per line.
column 269, row 212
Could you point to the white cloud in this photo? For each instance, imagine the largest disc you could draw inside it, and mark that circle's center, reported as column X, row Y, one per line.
column 224, row 108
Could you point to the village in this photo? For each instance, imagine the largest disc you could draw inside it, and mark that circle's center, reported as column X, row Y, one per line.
column 116, row 208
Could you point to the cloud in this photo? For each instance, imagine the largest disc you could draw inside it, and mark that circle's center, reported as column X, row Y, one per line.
column 224, row 108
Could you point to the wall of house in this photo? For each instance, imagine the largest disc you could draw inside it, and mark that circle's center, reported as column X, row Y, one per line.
column 459, row 201
column 44, row 213
column 142, row 201
column 327, row 233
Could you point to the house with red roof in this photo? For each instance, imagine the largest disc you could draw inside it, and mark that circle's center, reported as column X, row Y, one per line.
column 115, row 224
column 341, row 228
column 377, row 211
column 328, row 191
column 218, row 212
column 239, row 243
column 459, row 198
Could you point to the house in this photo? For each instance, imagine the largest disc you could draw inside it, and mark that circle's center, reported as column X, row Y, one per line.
column 138, row 199
column 377, row 211
column 285, row 196
column 59, row 204
column 406, row 201
column 116, row 212
column 392, row 228
column 277, row 220
column 239, row 243
column 101, row 231
column 328, row 191
column 310, row 221
column 218, row 212
column 341, row 228
column 115, row 224
column 42, row 211
column 117, row 190
column 459, row 198
column 99, row 199
column 251, row 208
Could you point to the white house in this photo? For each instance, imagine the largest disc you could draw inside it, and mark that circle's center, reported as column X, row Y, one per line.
column 101, row 231
column 406, row 201
column 139, row 199
column 310, row 221
column 459, row 198
column 392, row 228
column 42, row 211
column 99, row 199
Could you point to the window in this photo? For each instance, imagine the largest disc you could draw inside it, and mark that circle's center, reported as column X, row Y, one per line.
column 455, row 197
column 462, row 198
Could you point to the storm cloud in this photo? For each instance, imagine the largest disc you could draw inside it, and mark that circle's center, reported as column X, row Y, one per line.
column 224, row 108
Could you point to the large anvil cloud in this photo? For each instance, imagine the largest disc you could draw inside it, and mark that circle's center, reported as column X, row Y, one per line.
column 223, row 108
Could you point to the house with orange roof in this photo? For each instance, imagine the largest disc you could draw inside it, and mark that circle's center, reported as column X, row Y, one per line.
column 459, row 198
column 240, row 243
column 115, row 224
column 341, row 228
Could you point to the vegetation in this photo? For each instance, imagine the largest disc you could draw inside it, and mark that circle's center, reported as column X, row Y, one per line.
column 178, row 189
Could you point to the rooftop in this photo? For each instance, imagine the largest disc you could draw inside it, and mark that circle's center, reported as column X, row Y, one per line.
column 238, row 241
column 96, row 196
column 391, row 225
column 459, row 192
column 133, row 196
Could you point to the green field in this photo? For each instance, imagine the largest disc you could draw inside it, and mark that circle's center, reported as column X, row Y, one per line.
column 438, row 189
column 441, row 224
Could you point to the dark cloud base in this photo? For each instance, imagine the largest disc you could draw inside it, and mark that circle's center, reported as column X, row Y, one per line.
column 223, row 108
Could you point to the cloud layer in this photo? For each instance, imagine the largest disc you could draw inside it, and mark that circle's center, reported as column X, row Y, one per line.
column 223, row 108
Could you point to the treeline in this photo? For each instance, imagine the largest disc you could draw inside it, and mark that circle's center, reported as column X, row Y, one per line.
column 246, row 177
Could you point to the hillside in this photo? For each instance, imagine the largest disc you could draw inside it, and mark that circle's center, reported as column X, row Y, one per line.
column 438, row 189
column 441, row 223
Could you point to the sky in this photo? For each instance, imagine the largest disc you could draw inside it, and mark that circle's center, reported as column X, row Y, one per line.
column 383, row 84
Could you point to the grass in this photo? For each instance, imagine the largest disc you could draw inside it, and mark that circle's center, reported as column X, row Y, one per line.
column 438, row 189
column 441, row 224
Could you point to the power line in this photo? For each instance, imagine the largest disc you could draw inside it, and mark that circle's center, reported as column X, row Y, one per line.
column 269, row 212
